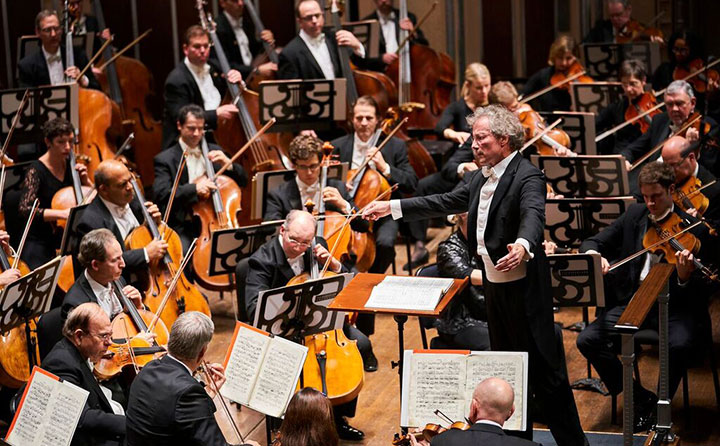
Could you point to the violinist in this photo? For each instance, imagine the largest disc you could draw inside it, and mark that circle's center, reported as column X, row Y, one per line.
column 308, row 420
column 284, row 257
column 115, row 208
column 87, row 334
column 685, row 55
column 493, row 403
column 388, row 16
column 194, row 184
column 636, row 99
column 239, row 41
column 620, row 27
column 43, row 178
column 562, row 63
column 196, row 80
column 47, row 66
column 688, row 317
column 167, row 405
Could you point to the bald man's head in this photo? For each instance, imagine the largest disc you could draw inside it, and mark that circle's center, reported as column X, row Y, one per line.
column 493, row 399
column 675, row 154
column 112, row 179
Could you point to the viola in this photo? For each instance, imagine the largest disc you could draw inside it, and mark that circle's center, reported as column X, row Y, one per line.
column 695, row 73
column 640, row 105
column 635, row 31
column 559, row 78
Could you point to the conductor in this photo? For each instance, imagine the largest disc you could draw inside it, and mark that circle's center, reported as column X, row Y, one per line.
column 505, row 202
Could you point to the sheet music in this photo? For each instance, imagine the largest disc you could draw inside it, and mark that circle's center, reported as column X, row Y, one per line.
column 278, row 377
column 408, row 293
column 437, row 382
column 49, row 413
column 243, row 365
column 506, row 365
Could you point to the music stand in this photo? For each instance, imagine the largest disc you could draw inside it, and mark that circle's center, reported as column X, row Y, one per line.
column 303, row 105
column 368, row 33
column 569, row 221
column 229, row 246
column 602, row 60
column 577, row 281
column 44, row 104
column 585, row 175
column 27, row 298
column 594, row 97
column 580, row 127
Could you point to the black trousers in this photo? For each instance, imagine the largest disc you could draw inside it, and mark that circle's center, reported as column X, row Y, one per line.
column 510, row 331
column 474, row 337
column 431, row 184
column 600, row 343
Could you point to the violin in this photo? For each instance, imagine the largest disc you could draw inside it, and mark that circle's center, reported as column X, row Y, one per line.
column 559, row 79
column 695, row 73
column 640, row 105
column 186, row 296
column 429, row 432
column 127, row 349
column 552, row 142
column 688, row 195
column 635, row 31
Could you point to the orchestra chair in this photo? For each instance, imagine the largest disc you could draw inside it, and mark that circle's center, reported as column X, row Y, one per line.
column 243, row 266
column 49, row 331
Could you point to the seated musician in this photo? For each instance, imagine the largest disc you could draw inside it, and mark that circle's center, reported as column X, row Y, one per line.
column 194, row 185
column 562, row 56
column 618, row 25
column 85, row 24
column 464, row 324
column 678, row 154
column 45, row 176
column 239, row 40
column 680, row 104
column 116, row 208
column 388, row 16
column 196, row 80
column 454, row 127
column 167, row 405
column 284, row 257
column 308, row 420
column 632, row 77
column 688, row 319
column 48, row 66
column 87, row 334
column 493, row 403
column 12, row 274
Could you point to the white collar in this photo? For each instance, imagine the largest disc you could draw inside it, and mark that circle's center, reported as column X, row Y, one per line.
column 48, row 55
column 96, row 286
column 314, row 41
column 358, row 142
column 183, row 364
column 697, row 169
column 490, row 422
column 304, row 186
column 187, row 148
column 665, row 214
column 114, row 207
column 295, row 259
column 386, row 18
column 195, row 69
column 500, row 167
column 234, row 23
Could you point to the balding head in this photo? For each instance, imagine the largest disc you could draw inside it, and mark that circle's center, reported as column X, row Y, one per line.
column 675, row 154
column 493, row 399
column 112, row 179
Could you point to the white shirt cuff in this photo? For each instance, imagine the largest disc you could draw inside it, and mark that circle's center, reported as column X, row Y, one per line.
column 460, row 170
column 395, row 209
column 386, row 172
column 348, row 208
column 591, row 251
column 147, row 259
column 361, row 52
column 525, row 244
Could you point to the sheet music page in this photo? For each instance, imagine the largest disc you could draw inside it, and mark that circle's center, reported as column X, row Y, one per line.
column 244, row 364
column 408, row 293
column 278, row 377
column 49, row 413
column 437, row 381
column 510, row 366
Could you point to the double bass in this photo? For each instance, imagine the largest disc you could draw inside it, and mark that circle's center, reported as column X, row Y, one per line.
column 269, row 51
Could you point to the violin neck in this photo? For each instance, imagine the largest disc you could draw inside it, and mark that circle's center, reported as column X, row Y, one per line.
column 77, row 184
column 129, row 307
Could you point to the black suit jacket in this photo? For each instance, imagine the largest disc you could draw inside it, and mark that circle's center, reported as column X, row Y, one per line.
column 98, row 425
column 479, row 434
column 166, row 166
column 168, row 407
column 79, row 293
column 376, row 63
column 555, row 100
column 34, row 72
column 395, row 154
column 297, row 62
column 180, row 89
column 517, row 210
column 463, row 154
column 230, row 45
column 712, row 213
column 602, row 32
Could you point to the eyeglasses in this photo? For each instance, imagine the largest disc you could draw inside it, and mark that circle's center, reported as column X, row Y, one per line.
column 299, row 243
column 102, row 336
column 51, row 29
column 680, row 50
column 307, row 168
column 671, row 104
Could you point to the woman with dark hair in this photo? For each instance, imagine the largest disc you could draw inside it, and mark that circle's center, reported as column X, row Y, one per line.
column 308, row 421
column 683, row 48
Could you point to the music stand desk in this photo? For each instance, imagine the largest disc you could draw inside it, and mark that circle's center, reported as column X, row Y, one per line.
column 354, row 296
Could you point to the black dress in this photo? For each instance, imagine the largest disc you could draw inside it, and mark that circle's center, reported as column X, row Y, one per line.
column 555, row 100
column 455, row 116
column 43, row 238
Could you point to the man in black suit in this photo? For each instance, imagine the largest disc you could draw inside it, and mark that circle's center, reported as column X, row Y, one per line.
column 390, row 24
column 48, row 66
column 87, row 335
column 116, row 208
column 239, row 40
column 196, row 80
column 492, row 405
column 689, row 321
column 506, row 219
column 284, row 257
column 607, row 31
column 167, row 406
column 194, row 185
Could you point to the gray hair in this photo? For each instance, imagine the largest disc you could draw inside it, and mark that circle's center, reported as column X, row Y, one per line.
column 80, row 317
column 189, row 334
column 680, row 86
column 94, row 246
column 503, row 123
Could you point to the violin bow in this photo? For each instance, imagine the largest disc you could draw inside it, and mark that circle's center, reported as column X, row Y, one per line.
column 607, row 133
column 173, row 284
column 544, row 132
column 176, row 183
column 539, row 93
column 25, row 233
column 378, row 148
column 660, row 145
column 15, row 121
column 693, row 74
column 412, row 32
column 651, row 247
column 94, row 58
column 213, row 385
column 245, row 147
column 122, row 51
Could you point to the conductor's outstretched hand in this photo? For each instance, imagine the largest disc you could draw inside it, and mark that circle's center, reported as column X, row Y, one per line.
column 376, row 210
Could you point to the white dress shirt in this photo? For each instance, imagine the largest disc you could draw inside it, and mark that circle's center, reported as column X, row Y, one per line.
column 195, row 163
column 123, row 217
column 203, row 79
column 241, row 38
column 55, row 66
column 106, row 297
column 387, row 24
column 308, row 192
column 298, row 263
column 360, row 152
column 116, row 407
column 320, row 51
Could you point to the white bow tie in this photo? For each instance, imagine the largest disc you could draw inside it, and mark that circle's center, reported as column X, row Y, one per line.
column 54, row 58
column 196, row 152
column 311, row 190
column 489, row 172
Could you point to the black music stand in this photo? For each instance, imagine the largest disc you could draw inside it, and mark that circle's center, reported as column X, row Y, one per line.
column 580, row 127
column 594, row 97
column 585, row 175
column 303, row 105
column 602, row 60
column 229, row 246
column 577, row 281
column 27, row 298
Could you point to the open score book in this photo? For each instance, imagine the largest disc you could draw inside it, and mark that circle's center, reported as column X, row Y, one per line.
column 408, row 293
